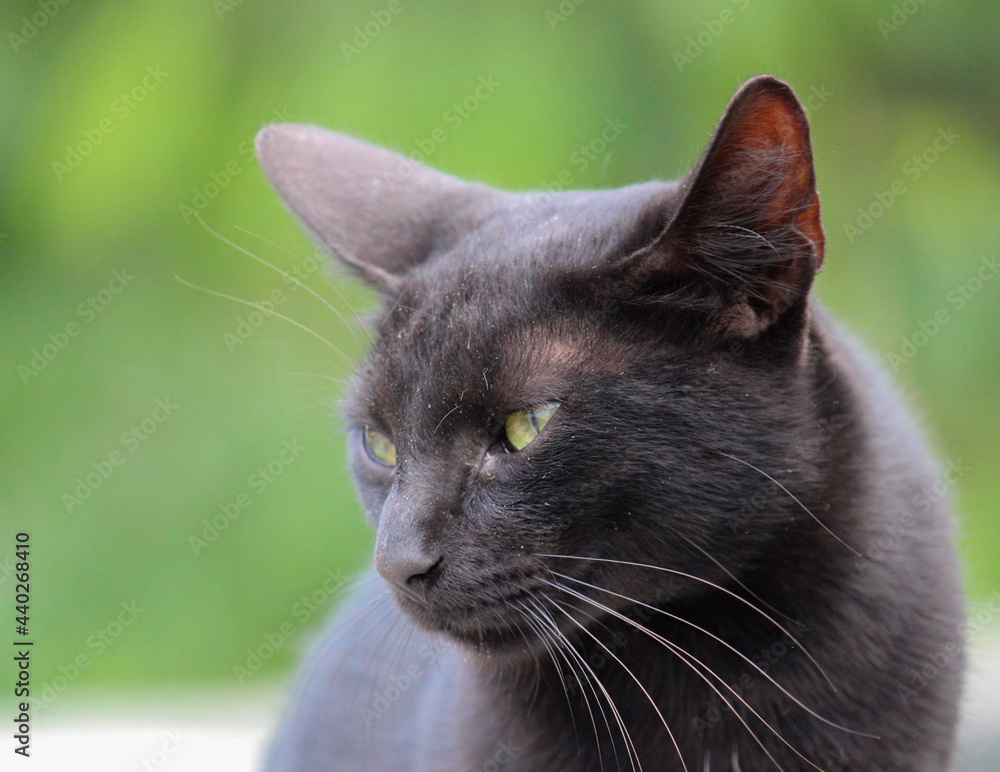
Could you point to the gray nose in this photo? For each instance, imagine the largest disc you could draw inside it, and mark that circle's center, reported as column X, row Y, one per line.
column 404, row 563
column 401, row 555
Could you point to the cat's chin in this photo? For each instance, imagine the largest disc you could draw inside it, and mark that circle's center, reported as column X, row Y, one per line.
column 501, row 641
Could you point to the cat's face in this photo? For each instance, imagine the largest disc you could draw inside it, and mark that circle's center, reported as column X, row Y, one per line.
column 587, row 375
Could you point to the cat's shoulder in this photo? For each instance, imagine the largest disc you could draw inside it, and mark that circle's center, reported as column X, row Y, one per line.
column 371, row 680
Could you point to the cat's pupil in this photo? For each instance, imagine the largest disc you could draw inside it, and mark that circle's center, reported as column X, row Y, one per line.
column 380, row 447
column 522, row 427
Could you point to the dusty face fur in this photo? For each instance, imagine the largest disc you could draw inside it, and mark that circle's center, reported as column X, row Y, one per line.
column 708, row 467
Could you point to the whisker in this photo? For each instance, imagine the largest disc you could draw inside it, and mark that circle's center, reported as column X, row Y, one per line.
column 593, row 678
column 313, row 406
column 710, row 634
column 338, row 381
column 328, row 280
column 531, row 619
column 265, row 310
column 312, row 389
column 719, row 587
column 793, row 498
column 286, row 275
column 687, row 658
column 560, row 642
column 642, row 688
column 732, row 576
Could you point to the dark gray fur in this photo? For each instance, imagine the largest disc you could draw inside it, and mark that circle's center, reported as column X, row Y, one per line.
column 714, row 422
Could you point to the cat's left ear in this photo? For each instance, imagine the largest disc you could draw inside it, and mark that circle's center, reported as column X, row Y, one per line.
column 746, row 240
column 380, row 212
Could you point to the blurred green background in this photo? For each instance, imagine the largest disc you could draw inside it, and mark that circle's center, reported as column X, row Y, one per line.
column 119, row 121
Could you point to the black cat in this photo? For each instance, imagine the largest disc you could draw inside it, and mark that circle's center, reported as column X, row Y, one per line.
column 640, row 503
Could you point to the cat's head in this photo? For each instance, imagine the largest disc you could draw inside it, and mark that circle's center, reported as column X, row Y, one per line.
column 595, row 374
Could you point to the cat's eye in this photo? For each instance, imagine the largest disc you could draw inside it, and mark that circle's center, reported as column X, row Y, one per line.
column 521, row 428
column 380, row 447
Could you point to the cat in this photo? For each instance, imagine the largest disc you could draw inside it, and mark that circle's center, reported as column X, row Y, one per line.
column 640, row 503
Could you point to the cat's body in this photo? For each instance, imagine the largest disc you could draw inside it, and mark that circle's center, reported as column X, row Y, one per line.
column 725, row 538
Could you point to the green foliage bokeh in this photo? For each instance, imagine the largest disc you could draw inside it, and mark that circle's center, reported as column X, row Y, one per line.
column 169, row 97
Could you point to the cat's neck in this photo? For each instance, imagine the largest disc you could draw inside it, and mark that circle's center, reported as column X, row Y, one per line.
column 594, row 697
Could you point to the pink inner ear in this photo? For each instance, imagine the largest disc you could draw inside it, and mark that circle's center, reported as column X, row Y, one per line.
column 767, row 137
column 747, row 238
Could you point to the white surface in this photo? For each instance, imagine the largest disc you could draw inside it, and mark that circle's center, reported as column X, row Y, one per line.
column 227, row 731
column 191, row 730
column 124, row 748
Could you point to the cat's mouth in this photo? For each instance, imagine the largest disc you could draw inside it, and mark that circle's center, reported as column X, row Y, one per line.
column 513, row 626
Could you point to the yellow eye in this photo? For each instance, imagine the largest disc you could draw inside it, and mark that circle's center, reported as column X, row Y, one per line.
column 380, row 447
column 523, row 426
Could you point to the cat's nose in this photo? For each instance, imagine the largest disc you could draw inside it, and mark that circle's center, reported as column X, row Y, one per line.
column 410, row 570
column 402, row 556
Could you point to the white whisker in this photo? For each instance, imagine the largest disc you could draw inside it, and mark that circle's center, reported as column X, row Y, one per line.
column 719, row 587
column 265, row 310
column 793, row 498
column 286, row 275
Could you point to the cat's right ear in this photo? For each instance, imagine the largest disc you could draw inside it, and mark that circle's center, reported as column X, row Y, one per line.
column 380, row 212
column 746, row 239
